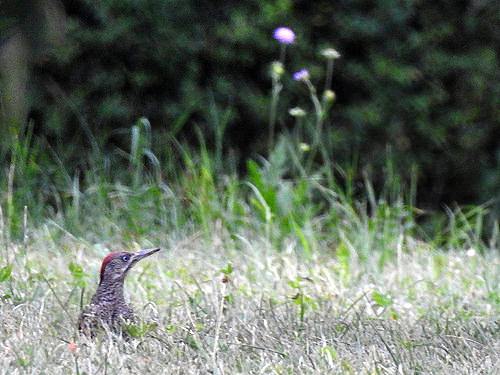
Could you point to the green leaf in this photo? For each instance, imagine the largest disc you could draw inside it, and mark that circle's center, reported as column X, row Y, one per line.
column 5, row 272
column 294, row 284
column 76, row 270
column 140, row 330
column 78, row 274
column 254, row 174
column 170, row 328
column 383, row 300
column 228, row 270
column 343, row 256
column 230, row 299
column 328, row 350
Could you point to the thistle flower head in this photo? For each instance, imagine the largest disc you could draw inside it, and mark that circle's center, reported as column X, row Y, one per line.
column 297, row 112
column 284, row 35
column 330, row 53
column 301, row 75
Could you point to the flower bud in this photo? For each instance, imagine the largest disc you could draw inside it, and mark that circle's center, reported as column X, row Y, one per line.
column 304, row 147
column 329, row 96
column 277, row 69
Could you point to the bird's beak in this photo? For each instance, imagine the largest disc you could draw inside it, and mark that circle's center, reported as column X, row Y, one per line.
column 143, row 254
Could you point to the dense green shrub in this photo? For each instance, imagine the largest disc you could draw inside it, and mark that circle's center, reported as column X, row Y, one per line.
column 419, row 76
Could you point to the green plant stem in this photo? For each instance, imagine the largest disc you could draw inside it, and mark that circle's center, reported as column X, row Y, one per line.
column 329, row 74
column 276, row 89
column 318, row 109
column 282, row 53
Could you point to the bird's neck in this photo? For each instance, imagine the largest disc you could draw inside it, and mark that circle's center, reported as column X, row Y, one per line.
column 110, row 291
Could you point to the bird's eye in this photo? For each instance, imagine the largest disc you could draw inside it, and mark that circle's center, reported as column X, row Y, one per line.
column 126, row 257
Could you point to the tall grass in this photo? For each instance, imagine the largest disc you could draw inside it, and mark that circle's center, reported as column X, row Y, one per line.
column 298, row 191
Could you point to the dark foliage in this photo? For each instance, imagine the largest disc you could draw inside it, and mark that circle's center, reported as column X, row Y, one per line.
column 420, row 76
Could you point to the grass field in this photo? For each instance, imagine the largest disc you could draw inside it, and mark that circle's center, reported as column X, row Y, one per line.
column 419, row 311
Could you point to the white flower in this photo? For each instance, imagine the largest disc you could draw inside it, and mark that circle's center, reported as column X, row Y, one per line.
column 297, row 112
column 471, row 252
column 330, row 53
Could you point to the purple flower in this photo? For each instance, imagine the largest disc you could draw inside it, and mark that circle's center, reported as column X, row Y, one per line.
column 284, row 35
column 301, row 75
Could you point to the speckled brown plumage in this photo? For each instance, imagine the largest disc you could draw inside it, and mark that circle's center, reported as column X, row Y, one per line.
column 107, row 308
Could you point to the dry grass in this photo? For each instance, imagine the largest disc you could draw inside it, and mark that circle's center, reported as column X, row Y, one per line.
column 425, row 312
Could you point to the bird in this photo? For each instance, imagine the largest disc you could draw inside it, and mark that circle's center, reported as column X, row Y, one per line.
column 108, row 309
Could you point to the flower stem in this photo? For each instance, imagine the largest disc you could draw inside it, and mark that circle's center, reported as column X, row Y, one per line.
column 317, row 105
column 277, row 86
column 275, row 92
column 329, row 74
column 283, row 53
column 319, row 123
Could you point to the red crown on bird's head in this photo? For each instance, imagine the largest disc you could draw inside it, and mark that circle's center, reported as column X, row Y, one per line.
column 108, row 258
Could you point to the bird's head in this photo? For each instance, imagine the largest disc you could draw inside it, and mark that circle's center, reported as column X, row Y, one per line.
column 115, row 266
